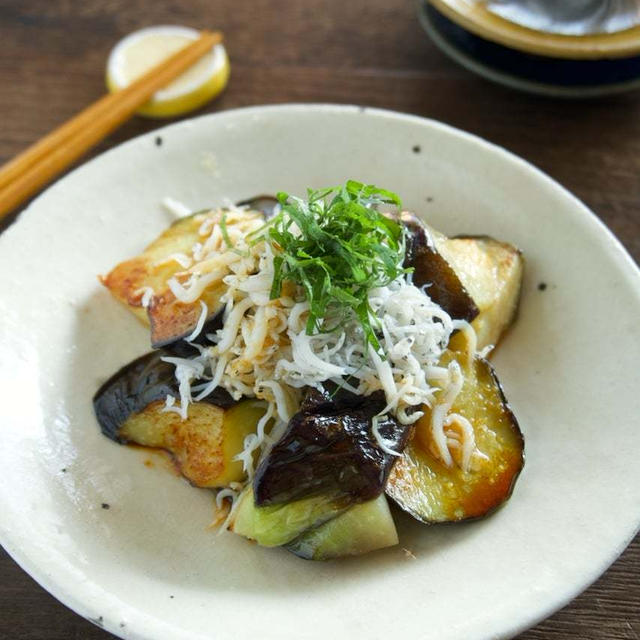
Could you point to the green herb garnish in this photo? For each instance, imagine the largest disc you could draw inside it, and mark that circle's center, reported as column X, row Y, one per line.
column 224, row 230
column 225, row 235
column 338, row 247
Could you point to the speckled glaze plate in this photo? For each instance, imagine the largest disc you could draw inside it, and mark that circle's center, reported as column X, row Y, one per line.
column 148, row 567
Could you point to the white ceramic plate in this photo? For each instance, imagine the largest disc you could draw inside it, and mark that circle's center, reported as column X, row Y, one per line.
column 148, row 567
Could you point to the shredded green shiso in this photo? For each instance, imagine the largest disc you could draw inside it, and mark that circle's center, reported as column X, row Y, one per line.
column 338, row 247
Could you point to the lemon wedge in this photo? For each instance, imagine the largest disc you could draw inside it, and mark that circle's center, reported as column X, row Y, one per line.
column 141, row 50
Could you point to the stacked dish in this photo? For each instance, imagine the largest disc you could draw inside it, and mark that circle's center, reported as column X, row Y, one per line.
column 577, row 49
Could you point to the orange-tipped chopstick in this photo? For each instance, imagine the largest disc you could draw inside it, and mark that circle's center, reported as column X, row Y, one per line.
column 23, row 176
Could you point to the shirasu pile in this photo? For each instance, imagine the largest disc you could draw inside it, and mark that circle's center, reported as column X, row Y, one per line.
column 263, row 349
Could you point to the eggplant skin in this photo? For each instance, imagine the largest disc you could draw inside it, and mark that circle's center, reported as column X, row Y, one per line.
column 204, row 445
column 266, row 204
column 137, row 385
column 329, row 447
column 433, row 493
column 492, row 273
column 170, row 320
column 431, row 268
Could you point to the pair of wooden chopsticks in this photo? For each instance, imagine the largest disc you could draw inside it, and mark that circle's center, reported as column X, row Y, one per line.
column 23, row 176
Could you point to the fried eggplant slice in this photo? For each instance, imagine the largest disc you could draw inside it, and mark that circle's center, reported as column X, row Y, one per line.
column 491, row 271
column 153, row 267
column 171, row 320
column 430, row 268
column 362, row 528
column 329, row 447
column 129, row 410
column 276, row 525
column 433, row 492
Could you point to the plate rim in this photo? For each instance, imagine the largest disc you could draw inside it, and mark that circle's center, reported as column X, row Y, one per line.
column 627, row 265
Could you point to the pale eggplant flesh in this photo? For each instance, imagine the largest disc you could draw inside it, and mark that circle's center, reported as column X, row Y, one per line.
column 138, row 384
column 278, row 524
column 363, row 528
column 491, row 271
column 130, row 408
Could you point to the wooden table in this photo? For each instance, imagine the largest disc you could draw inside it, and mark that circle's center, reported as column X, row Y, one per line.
column 369, row 52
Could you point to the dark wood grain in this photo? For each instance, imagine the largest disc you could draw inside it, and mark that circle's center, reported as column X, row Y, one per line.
column 369, row 52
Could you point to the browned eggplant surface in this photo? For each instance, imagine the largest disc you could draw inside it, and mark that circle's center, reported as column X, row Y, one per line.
column 171, row 321
column 151, row 268
column 183, row 316
column 329, row 447
column 138, row 384
column 430, row 268
column 129, row 410
column 432, row 492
